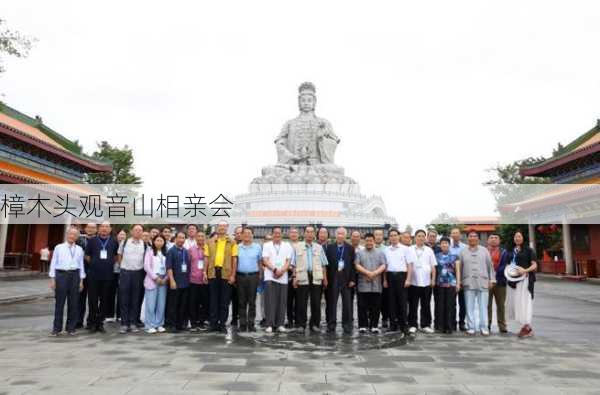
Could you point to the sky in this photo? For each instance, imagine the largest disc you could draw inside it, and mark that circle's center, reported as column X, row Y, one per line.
column 425, row 96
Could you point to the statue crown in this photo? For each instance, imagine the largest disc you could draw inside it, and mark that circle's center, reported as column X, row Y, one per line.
column 307, row 87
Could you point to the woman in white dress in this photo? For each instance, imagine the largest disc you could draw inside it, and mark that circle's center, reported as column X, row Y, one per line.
column 520, row 293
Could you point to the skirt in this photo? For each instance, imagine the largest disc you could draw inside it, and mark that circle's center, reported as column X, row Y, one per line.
column 520, row 303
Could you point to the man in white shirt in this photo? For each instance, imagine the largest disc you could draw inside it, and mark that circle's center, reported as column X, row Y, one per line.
column 277, row 255
column 397, row 279
column 422, row 281
column 66, row 279
column 131, row 280
column 190, row 241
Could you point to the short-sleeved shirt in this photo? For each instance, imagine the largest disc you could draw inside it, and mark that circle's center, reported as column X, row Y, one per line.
column 277, row 255
column 249, row 257
column 424, row 262
column 446, row 269
column 103, row 254
column 198, row 263
column 456, row 248
column 178, row 260
column 133, row 254
column 397, row 258
column 371, row 260
column 220, row 251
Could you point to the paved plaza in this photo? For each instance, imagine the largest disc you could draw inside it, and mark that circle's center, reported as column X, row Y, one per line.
column 563, row 357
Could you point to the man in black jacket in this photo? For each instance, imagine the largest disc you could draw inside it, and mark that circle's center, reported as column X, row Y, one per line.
column 90, row 232
column 341, row 278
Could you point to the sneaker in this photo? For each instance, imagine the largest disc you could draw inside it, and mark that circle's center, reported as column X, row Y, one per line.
column 193, row 329
column 161, row 329
column 362, row 330
column 485, row 332
column 100, row 329
column 251, row 328
column 375, row 331
column 151, row 331
column 282, row 329
column 470, row 332
column 412, row 330
column 269, row 330
column 53, row 334
column 427, row 330
column 72, row 333
column 134, row 329
column 123, row 330
column 109, row 320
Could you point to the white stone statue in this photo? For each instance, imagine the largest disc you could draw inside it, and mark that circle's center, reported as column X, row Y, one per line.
column 306, row 139
column 305, row 148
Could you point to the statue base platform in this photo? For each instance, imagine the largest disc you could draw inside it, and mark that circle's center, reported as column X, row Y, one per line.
column 303, row 174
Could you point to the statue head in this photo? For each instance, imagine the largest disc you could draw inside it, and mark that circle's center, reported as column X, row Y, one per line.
column 307, row 97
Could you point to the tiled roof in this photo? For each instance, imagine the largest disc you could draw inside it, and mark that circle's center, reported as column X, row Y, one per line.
column 34, row 132
column 586, row 144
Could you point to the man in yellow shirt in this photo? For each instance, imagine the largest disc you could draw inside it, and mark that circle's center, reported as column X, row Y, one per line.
column 221, row 254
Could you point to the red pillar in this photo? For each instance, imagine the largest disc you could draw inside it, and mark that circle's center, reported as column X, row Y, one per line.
column 38, row 240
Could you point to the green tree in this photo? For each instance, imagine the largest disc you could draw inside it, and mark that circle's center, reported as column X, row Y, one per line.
column 444, row 223
column 507, row 186
column 13, row 43
column 122, row 162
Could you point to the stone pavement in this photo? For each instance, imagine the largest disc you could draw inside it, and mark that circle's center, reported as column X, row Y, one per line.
column 563, row 358
column 24, row 289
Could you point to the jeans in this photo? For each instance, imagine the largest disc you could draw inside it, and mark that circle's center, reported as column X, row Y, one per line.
column 479, row 296
column 67, row 289
column 129, row 295
column 155, row 307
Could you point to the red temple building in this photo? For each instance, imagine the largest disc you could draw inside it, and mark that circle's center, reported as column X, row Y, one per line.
column 577, row 164
column 32, row 153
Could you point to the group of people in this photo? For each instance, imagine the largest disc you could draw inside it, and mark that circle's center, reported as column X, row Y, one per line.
column 189, row 281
